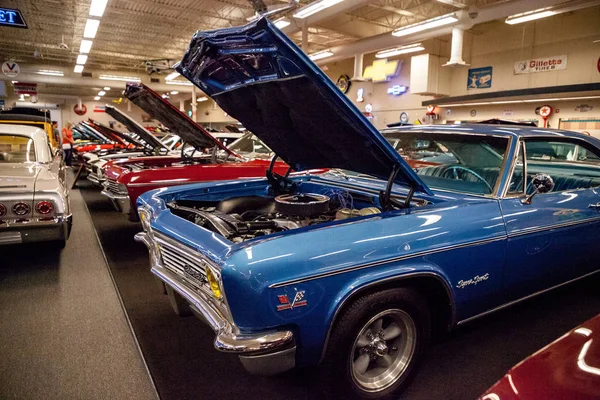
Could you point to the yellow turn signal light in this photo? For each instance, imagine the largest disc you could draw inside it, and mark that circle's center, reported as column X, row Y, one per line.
column 214, row 283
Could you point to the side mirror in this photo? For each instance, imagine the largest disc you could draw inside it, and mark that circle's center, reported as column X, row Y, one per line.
column 542, row 183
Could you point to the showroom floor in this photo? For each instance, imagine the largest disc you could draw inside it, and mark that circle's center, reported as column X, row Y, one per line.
column 69, row 338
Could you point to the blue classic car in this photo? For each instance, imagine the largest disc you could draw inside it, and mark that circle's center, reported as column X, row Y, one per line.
column 353, row 270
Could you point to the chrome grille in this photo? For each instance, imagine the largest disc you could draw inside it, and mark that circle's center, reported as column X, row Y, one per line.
column 112, row 186
column 183, row 261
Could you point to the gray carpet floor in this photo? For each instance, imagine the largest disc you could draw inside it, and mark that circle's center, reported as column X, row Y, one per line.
column 63, row 331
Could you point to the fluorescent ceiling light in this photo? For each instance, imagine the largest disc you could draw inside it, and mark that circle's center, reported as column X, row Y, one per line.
column 50, row 72
column 174, row 92
column 172, row 76
column 78, row 69
column 106, row 87
column 120, row 78
column 529, row 16
column 320, row 55
column 315, row 7
column 411, row 48
column 101, row 93
column 81, row 59
column 282, row 23
column 91, row 27
column 426, row 25
column 85, row 46
column 200, row 99
column 97, row 98
column 183, row 83
column 97, row 8
column 519, row 101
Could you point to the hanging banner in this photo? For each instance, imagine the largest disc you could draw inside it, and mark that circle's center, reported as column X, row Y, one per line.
column 541, row 65
column 25, row 88
column 480, row 78
column 99, row 108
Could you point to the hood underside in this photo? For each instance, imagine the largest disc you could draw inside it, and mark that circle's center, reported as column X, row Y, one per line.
column 134, row 127
column 261, row 78
column 171, row 117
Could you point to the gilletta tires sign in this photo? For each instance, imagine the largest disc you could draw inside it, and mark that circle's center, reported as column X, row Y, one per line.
column 541, row 65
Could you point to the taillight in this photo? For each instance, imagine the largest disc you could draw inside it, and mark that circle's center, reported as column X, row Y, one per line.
column 2, row 210
column 21, row 209
column 44, row 207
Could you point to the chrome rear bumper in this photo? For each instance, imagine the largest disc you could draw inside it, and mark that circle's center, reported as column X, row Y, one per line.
column 12, row 232
column 264, row 353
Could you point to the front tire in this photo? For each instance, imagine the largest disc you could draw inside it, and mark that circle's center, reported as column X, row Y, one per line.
column 375, row 345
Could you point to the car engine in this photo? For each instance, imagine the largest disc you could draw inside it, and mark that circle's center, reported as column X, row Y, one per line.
column 243, row 218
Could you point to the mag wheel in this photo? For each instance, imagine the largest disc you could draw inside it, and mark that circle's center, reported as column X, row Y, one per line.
column 383, row 350
column 375, row 345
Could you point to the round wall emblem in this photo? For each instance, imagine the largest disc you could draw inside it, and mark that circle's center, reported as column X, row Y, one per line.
column 11, row 69
column 80, row 110
column 369, row 107
column 545, row 111
column 404, row 117
column 343, row 83
column 473, row 113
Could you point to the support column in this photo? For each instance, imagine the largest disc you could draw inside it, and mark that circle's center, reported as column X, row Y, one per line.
column 457, row 48
column 182, row 105
column 305, row 37
column 194, row 104
column 358, row 67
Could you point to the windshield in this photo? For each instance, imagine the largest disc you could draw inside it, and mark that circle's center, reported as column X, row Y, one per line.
column 251, row 146
column 465, row 163
column 16, row 149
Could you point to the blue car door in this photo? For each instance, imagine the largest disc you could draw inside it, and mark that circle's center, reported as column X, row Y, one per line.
column 555, row 238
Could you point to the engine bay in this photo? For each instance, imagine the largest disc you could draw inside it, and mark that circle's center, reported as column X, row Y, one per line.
column 243, row 218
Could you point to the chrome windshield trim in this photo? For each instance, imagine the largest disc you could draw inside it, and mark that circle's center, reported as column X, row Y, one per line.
column 464, row 321
column 390, row 260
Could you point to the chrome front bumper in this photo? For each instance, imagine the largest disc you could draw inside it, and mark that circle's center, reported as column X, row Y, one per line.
column 92, row 177
column 120, row 202
column 263, row 353
column 12, row 232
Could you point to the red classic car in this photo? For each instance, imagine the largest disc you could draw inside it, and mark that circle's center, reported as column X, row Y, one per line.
column 568, row 368
column 105, row 138
column 127, row 179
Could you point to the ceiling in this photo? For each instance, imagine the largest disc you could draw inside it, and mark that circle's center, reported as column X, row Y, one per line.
column 134, row 31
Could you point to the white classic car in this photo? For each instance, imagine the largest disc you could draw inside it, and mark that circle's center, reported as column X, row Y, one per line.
column 34, row 195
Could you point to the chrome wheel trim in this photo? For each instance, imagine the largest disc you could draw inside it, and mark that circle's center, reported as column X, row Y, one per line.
column 383, row 350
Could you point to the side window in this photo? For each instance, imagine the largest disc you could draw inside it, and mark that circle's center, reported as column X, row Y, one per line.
column 517, row 185
column 571, row 164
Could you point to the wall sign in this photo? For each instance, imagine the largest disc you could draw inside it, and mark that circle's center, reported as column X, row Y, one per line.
column 80, row 110
column 99, row 109
column 541, row 64
column 473, row 113
column 11, row 69
column 12, row 17
column 404, row 118
column 431, row 109
column 382, row 70
column 397, row 90
column 343, row 83
column 545, row 112
column 25, row 88
column 584, row 108
column 479, row 78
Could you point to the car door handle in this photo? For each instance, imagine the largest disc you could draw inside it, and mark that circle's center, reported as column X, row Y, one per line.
column 595, row 206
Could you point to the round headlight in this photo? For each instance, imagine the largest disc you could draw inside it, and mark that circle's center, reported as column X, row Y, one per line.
column 214, row 283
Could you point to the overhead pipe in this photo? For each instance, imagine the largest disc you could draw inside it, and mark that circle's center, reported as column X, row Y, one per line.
column 456, row 51
column 358, row 67
column 387, row 40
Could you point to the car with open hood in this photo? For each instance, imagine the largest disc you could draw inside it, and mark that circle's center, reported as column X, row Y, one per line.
column 202, row 158
column 354, row 272
column 146, row 144
column 34, row 195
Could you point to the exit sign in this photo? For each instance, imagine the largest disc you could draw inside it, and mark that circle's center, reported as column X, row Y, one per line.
column 12, row 17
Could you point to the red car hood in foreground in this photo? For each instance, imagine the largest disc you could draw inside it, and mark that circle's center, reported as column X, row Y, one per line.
column 568, row 368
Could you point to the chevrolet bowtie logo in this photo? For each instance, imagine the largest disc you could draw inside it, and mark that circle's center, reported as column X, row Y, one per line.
column 381, row 70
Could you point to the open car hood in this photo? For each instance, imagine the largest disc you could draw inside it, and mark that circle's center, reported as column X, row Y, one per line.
column 179, row 123
column 261, row 78
column 134, row 127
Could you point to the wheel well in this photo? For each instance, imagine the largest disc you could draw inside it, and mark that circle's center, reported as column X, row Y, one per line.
column 434, row 291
